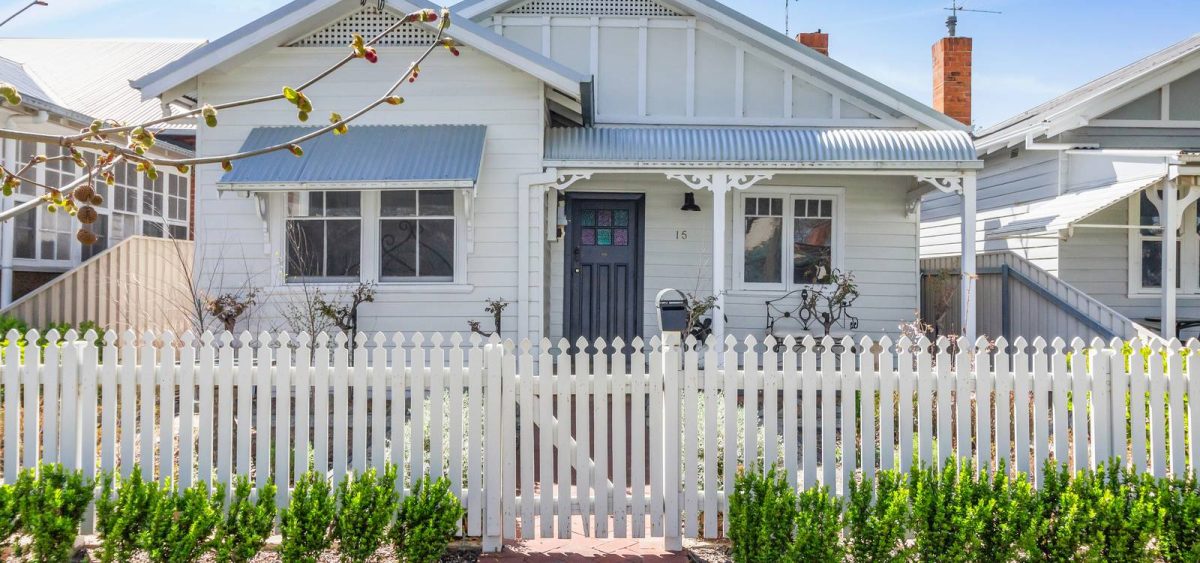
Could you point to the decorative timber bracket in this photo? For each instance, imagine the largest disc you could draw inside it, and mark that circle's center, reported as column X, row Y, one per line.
column 1186, row 196
column 565, row 180
column 718, row 182
column 925, row 185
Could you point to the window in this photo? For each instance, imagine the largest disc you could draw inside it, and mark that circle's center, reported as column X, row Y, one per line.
column 25, row 235
column 125, row 190
column 178, row 232
column 152, row 228
column 25, row 152
column 177, row 198
column 1145, row 249
column 124, row 226
column 807, row 220
column 416, row 235
column 152, row 198
column 55, row 233
column 324, row 234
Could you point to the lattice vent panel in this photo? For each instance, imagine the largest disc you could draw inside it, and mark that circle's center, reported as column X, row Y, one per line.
column 368, row 22
column 594, row 8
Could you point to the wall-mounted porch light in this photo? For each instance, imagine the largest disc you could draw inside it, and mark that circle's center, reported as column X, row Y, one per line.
column 689, row 202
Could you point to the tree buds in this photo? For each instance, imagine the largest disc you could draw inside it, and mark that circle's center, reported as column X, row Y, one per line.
column 10, row 184
column 424, row 16
column 296, row 150
column 449, row 44
column 226, row 166
column 339, row 128
column 210, row 115
column 395, row 100
column 299, row 100
column 148, row 169
column 9, row 93
column 445, row 19
column 362, row 51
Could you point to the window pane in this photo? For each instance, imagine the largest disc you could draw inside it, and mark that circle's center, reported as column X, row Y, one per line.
column 1149, row 216
column 27, row 151
column 25, row 235
column 343, row 244
column 342, row 204
column 123, row 227
column 178, row 232
column 440, row 202
column 811, row 250
column 398, row 248
column 764, row 245
column 152, row 229
column 306, row 253
column 399, row 203
column 437, row 248
column 1152, row 263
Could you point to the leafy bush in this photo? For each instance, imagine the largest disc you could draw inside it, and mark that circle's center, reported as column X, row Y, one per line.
column 1007, row 511
column 247, row 523
column 428, row 518
column 1179, row 501
column 122, row 511
column 818, row 528
column 306, row 521
column 762, row 516
column 876, row 518
column 1125, row 514
column 181, row 523
column 9, row 522
column 1063, row 518
column 366, row 503
column 945, row 522
column 50, row 503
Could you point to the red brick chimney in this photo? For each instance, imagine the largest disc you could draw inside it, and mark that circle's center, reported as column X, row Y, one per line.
column 816, row 41
column 952, row 77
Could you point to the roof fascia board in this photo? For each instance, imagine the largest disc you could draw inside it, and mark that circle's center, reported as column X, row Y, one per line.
column 772, row 42
column 234, row 44
column 895, row 165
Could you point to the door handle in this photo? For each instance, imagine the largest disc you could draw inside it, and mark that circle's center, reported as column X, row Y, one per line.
column 576, row 254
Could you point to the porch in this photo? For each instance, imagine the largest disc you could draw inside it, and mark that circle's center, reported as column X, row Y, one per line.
column 712, row 212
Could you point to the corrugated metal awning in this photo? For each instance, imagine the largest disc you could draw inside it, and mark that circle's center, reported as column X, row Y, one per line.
column 775, row 147
column 366, row 157
column 1050, row 216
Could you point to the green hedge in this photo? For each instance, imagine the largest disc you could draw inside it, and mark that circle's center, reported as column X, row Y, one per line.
column 958, row 514
column 41, row 513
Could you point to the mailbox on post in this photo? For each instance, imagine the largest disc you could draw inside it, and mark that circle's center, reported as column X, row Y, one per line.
column 672, row 311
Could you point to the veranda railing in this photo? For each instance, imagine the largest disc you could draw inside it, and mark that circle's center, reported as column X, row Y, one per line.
column 638, row 439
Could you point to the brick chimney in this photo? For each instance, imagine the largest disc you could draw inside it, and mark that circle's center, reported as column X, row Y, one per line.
column 952, row 77
column 816, row 41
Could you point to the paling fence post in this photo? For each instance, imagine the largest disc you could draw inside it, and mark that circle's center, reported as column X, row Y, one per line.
column 672, row 539
column 791, row 379
column 187, row 405
column 1020, row 387
column 69, row 428
column 983, row 404
column 285, row 448
column 712, row 375
column 637, row 441
column 1175, row 408
column 583, row 421
column 455, row 381
column 1158, row 434
column 1101, row 403
column 1193, row 414
column 564, row 391
column 729, row 394
column 691, row 429
column 1079, row 392
column 525, row 397
column 905, row 380
column 12, row 407
column 600, row 482
column 656, row 433
column 1118, row 390
column 887, row 389
column 849, row 430
column 1060, row 384
column 868, row 380
column 493, row 458
column 50, row 374
column 147, row 383
column 546, row 437
column 944, row 391
column 1002, row 389
column 925, row 391
column 620, row 462
column 829, row 385
column 1041, row 414
column 963, row 372
column 88, row 396
column 165, row 374
column 31, row 395
column 1137, row 406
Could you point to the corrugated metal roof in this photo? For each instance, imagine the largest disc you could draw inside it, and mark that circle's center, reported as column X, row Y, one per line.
column 23, row 79
column 785, row 146
column 91, row 76
column 432, row 154
column 1053, row 215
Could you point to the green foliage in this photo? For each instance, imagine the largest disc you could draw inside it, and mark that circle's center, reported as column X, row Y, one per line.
column 306, row 521
column 876, row 518
column 1124, row 513
column 428, row 518
column 818, row 528
column 1007, row 507
column 9, row 522
column 366, row 503
column 50, row 503
column 1063, row 517
column 181, row 523
column 247, row 523
column 1178, row 535
column 762, row 516
column 122, row 511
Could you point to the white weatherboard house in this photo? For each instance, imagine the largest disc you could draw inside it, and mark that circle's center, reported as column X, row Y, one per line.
column 549, row 165
column 1076, row 188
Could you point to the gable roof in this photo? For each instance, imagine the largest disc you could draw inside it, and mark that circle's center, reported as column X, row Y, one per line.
column 281, row 25
column 95, row 80
column 777, row 44
column 1042, row 114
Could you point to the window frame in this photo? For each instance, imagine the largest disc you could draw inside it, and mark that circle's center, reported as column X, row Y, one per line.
column 456, row 247
column 362, row 219
column 789, row 194
column 1189, row 252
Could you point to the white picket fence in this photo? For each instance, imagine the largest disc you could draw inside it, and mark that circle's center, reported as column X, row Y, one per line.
column 638, row 440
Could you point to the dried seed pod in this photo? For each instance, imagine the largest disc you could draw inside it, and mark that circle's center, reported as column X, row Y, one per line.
column 97, row 200
column 84, row 192
column 87, row 215
column 86, row 237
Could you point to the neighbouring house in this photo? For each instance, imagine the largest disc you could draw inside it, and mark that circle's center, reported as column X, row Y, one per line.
column 576, row 159
column 65, row 84
column 1070, row 203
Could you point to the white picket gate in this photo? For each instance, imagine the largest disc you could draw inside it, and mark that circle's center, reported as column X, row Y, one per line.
column 636, row 440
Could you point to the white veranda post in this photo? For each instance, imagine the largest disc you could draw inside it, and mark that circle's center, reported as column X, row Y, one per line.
column 968, row 232
column 1170, row 204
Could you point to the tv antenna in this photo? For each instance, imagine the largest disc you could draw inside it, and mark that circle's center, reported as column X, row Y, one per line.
column 955, row 8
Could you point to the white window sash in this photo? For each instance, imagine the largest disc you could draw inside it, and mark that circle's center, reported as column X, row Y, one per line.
column 790, row 195
column 1189, row 253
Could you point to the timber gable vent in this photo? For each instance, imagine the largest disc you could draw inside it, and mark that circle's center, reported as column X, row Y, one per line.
column 594, row 8
column 367, row 22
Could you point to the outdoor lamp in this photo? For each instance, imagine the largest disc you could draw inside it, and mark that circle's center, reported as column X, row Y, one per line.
column 689, row 202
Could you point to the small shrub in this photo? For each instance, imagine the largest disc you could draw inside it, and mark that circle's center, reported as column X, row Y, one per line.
column 366, row 503
column 1178, row 540
column 306, row 521
column 762, row 516
column 247, row 523
column 1061, row 524
column 122, row 511
column 50, row 503
column 1125, row 514
column 876, row 518
column 427, row 520
column 181, row 524
column 9, row 521
column 1008, row 511
column 943, row 519
column 818, row 528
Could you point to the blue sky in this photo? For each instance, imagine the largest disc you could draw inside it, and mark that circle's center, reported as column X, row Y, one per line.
column 1033, row 51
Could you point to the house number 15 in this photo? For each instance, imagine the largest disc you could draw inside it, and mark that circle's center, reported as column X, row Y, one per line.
column 680, row 235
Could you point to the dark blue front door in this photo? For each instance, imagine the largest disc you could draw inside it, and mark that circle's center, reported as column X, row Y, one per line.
column 603, row 266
